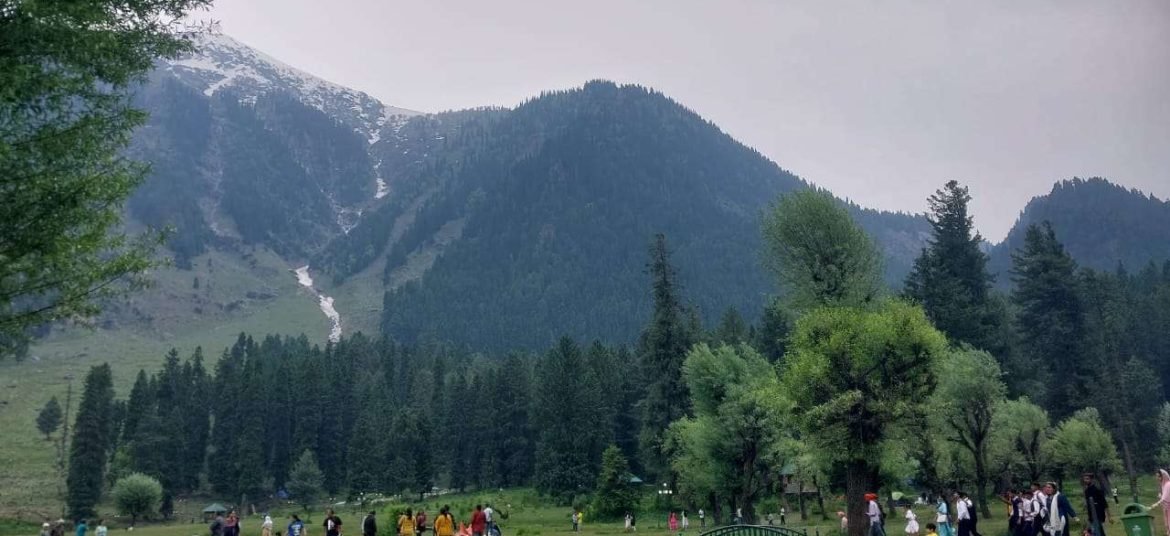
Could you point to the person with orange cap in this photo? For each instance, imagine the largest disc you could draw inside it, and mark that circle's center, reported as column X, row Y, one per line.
column 874, row 513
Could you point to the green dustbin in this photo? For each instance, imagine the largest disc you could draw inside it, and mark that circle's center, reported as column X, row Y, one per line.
column 1137, row 521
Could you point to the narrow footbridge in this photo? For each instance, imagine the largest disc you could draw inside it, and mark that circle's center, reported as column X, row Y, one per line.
column 754, row 530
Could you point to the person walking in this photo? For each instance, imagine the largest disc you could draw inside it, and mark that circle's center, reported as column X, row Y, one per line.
column 874, row 513
column 266, row 527
column 1163, row 497
column 332, row 523
column 1029, row 514
column 370, row 524
column 445, row 523
column 420, row 522
column 1058, row 511
column 942, row 518
column 1096, row 504
column 406, row 523
column 962, row 514
column 478, row 521
column 489, row 516
column 296, row 527
column 81, row 528
column 101, row 529
column 911, row 522
column 231, row 525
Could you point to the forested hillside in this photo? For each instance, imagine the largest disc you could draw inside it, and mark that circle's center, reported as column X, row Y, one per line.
column 1101, row 223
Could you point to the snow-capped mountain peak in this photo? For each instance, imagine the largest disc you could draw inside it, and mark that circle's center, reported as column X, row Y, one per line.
column 221, row 62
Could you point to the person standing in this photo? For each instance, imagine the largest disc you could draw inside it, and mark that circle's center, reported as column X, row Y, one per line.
column 1096, row 504
column 629, row 521
column 575, row 520
column 266, row 527
column 81, row 528
column 672, row 522
column 686, row 523
column 489, row 516
column 102, row 529
column 46, row 529
column 332, row 523
column 1029, row 513
column 370, row 524
column 783, row 516
column 1058, row 511
column 962, row 514
column 1164, row 497
column 1042, row 500
column 478, row 521
column 702, row 519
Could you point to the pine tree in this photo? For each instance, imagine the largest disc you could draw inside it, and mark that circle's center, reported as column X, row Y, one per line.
column 1050, row 318
column 140, row 403
column 513, row 402
column 365, row 445
column 732, row 329
column 626, row 389
column 614, row 495
column 305, row 480
column 771, row 339
column 196, row 421
column 562, row 465
column 92, row 440
column 49, row 419
column 663, row 348
column 950, row 279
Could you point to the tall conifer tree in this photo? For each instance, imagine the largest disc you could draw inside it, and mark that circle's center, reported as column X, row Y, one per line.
column 92, row 440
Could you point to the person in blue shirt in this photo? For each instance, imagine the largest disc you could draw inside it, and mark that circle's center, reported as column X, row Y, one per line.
column 82, row 528
column 296, row 527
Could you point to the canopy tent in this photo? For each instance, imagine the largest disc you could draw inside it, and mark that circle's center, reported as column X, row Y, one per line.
column 214, row 509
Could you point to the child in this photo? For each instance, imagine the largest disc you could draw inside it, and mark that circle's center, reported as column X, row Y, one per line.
column 911, row 522
column 931, row 530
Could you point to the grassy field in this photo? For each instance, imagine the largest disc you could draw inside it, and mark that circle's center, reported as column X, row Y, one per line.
column 254, row 293
column 527, row 515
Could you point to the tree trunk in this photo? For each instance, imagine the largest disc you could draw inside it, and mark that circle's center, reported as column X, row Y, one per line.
column 820, row 499
column 1129, row 470
column 860, row 477
column 981, row 480
column 800, row 499
column 716, row 510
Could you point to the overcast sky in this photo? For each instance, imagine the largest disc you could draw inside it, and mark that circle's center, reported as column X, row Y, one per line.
column 879, row 101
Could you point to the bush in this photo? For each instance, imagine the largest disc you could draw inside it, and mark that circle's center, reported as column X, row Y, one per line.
column 137, row 495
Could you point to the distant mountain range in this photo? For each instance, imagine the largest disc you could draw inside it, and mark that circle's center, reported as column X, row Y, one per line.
column 503, row 228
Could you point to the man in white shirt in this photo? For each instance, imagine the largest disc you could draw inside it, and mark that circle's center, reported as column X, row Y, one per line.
column 489, row 515
column 962, row 514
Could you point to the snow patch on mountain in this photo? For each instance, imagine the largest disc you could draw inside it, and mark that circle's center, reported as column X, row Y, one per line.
column 222, row 62
column 323, row 301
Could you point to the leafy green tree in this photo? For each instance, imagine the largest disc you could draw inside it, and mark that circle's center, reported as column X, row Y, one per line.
column 1129, row 412
column 305, row 480
column 737, row 424
column 662, row 348
column 771, row 339
column 857, row 375
column 819, row 254
column 614, row 494
column 970, row 389
column 92, row 441
column 1050, row 318
column 1020, row 431
column 49, row 419
column 950, row 279
column 137, row 495
column 67, row 70
column 1082, row 444
column 1163, row 429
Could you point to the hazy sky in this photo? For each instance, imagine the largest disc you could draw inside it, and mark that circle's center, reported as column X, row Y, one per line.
column 879, row 101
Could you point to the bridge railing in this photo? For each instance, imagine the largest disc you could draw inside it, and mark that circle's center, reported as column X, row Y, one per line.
column 754, row 530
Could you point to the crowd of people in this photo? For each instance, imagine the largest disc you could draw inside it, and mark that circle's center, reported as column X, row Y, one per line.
column 1039, row 510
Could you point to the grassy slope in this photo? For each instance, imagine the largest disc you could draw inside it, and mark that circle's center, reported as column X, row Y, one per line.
column 27, row 481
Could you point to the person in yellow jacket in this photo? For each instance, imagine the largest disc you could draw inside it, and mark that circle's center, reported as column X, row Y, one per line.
column 445, row 523
column 406, row 524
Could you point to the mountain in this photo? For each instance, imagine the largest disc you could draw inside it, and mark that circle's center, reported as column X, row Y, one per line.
column 1100, row 223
